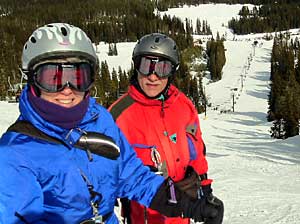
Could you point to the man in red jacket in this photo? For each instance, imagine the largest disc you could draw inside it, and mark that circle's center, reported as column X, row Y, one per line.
column 162, row 125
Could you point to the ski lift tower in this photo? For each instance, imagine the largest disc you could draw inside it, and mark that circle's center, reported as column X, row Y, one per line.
column 233, row 91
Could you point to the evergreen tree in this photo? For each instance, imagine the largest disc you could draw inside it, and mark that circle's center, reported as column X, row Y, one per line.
column 194, row 93
column 110, row 50
column 198, row 27
column 114, row 91
column 124, row 82
column 297, row 69
column 106, row 84
column 115, row 49
column 284, row 103
column 216, row 58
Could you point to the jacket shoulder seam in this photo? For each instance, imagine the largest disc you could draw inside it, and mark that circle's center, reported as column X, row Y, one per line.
column 120, row 106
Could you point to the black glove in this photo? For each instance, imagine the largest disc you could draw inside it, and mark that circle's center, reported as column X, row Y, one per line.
column 191, row 185
column 217, row 204
column 207, row 209
column 162, row 202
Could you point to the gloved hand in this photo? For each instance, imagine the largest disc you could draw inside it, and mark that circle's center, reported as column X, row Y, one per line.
column 208, row 208
column 217, row 204
column 191, row 185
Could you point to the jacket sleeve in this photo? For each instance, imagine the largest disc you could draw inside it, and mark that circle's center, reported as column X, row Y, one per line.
column 20, row 194
column 136, row 181
column 197, row 149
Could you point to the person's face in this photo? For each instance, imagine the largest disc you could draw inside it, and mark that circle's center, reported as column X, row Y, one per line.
column 66, row 98
column 54, row 75
column 152, row 85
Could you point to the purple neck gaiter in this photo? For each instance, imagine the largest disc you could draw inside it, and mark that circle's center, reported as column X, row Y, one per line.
column 64, row 117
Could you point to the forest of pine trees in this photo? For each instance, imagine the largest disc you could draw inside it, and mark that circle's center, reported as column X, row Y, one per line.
column 108, row 21
column 267, row 18
column 116, row 21
column 284, row 100
column 165, row 4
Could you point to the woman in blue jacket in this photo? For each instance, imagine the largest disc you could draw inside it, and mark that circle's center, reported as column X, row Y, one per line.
column 65, row 160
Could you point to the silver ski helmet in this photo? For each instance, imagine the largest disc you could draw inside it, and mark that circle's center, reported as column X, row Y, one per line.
column 58, row 40
column 156, row 44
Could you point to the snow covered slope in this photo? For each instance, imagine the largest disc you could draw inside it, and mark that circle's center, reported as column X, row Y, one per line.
column 257, row 177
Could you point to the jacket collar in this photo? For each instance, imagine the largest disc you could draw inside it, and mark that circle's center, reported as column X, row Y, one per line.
column 173, row 94
column 28, row 113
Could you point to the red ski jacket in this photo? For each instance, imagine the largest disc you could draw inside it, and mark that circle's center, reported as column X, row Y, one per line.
column 166, row 135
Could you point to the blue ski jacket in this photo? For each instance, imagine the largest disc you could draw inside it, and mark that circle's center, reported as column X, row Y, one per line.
column 45, row 182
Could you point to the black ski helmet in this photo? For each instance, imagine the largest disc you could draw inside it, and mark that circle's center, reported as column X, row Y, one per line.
column 156, row 44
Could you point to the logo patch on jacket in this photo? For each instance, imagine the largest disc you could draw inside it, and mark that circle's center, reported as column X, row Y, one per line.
column 173, row 138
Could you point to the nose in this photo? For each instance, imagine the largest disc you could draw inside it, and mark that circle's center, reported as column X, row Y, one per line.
column 67, row 90
column 153, row 77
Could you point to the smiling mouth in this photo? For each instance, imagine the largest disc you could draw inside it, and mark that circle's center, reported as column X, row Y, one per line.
column 151, row 84
column 65, row 101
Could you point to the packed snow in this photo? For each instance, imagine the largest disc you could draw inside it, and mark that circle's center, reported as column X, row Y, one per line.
column 257, row 177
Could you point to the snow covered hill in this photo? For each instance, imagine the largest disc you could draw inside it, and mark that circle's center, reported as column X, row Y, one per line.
column 257, row 177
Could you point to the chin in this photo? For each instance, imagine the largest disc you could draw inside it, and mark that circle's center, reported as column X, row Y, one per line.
column 152, row 93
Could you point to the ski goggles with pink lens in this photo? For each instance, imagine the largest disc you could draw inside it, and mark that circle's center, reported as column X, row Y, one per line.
column 54, row 77
column 159, row 66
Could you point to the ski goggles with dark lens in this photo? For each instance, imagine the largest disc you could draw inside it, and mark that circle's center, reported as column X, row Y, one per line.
column 161, row 67
column 54, row 77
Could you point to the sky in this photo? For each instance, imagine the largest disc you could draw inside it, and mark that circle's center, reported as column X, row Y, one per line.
column 257, row 177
